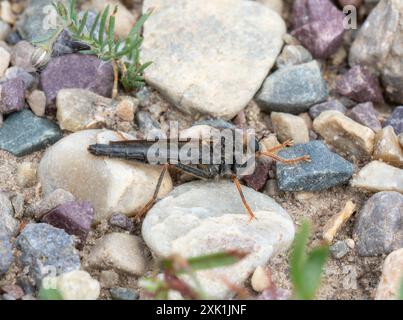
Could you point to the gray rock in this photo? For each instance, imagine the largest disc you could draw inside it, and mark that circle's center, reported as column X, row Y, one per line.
column 6, row 253
column 396, row 120
column 325, row 170
column 146, row 124
column 123, row 294
column 378, row 229
column 365, row 114
column 214, row 58
column 22, row 56
column 339, row 249
column 20, row 73
column 293, row 89
column 23, row 133
column 12, row 96
column 316, row 110
column 122, row 221
column 76, row 71
column 45, row 249
column 8, row 225
column 293, row 55
column 212, row 219
column 215, row 123
column 378, row 45
column 51, row 201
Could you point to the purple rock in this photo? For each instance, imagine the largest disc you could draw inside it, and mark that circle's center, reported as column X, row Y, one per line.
column 318, row 25
column 396, row 120
column 257, row 180
column 76, row 71
column 74, row 217
column 360, row 85
column 366, row 114
column 12, row 96
column 316, row 110
column 121, row 221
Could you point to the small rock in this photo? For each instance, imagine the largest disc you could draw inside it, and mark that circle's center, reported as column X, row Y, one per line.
column 293, row 55
column 396, row 120
column 18, row 201
column 387, row 147
column 5, row 58
column 4, row 30
column 272, row 188
column 21, row 56
column 345, row 134
column 108, row 278
column 30, row 79
column 12, row 96
column 13, row 290
column 335, row 105
column 75, row 285
column 8, row 225
column 79, row 109
column 73, row 217
column 37, row 102
column 120, row 251
column 13, row 38
column 260, row 280
column 378, row 226
column 146, row 124
column 325, row 170
column 288, row 126
column 392, row 275
column 6, row 252
column 366, row 115
column 293, row 89
column 401, row 139
column 6, row 12
column 24, row 133
column 269, row 142
column 360, row 85
column 125, row 110
column 26, row 174
column 7, row 297
column 51, row 201
column 121, row 221
column 337, row 221
column 110, row 185
column 76, row 71
column 378, row 176
column 215, row 123
column 213, row 219
column 46, row 249
column 257, row 180
column 318, row 25
column 124, row 294
column 339, row 249
column 222, row 77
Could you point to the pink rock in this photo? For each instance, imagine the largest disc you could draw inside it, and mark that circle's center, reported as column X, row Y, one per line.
column 366, row 114
column 12, row 96
column 258, row 179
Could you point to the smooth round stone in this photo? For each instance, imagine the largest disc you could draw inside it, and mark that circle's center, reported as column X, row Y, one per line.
column 288, row 126
column 110, row 185
column 392, row 275
column 123, row 294
column 213, row 219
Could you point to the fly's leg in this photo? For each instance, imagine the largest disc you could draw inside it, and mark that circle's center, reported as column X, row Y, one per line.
column 148, row 206
column 270, row 153
column 285, row 144
column 245, row 203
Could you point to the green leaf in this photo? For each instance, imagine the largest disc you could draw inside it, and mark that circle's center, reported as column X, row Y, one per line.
column 83, row 23
column 73, row 11
column 139, row 24
column 102, row 26
column 49, row 294
column 94, row 26
column 111, row 32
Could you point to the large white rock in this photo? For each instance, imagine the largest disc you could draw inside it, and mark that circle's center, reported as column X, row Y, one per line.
column 111, row 185
column 199, row 218
column 210, row 56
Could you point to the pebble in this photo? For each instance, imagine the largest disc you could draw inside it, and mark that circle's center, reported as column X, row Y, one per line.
column 122, row 221
column 379, row 176
column 79, row 109
column 377, row 46
column 339, row 250
column 76, row 71
column 345, row 134
column 6, row 13
column 396, row 120
column 51, row 201
column 337, row 221
column 46, row 249
column 21, row 56
column 73, row 217
column 4, row 30
column 257, row 180
column 6, row 252
column 318, row 25
column 260, row 280
column 335, row 105
column 378, row 228
column 388, row 148
column 76, row 285
column 365, row 114
column 37, row 102
column 13, row 38
column 392, row 275
column 108, row 278
column 288, row 126
column 26, row 174
column 13, row 290
column 18, row 202
column 119, row 251
column 360, row 85
column 213, row 219
column 124, row 294
column 293, row 89
column 110, row 185
column 293, row 55
column 5, row 58
column 8, row 225
column 125, row 110
column 12, row 97
column 30, row 79
column 146, row 124
column 325, row 170
column 23, row 133
column 223, row 76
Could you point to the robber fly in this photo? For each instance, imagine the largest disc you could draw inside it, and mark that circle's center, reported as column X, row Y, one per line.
column 219, row 157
